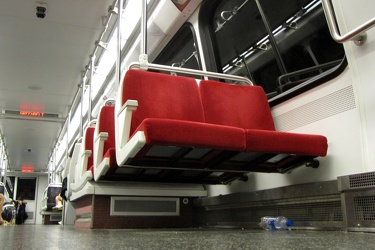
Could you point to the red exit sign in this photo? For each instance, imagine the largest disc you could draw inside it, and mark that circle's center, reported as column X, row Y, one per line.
column 31, row 113
column 27, row 169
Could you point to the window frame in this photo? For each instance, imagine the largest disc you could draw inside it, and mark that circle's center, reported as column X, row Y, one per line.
column 211, row 53
column 173, row 45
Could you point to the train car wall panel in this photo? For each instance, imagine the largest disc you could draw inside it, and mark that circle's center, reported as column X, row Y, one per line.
column 323, row 111
column 349, row 16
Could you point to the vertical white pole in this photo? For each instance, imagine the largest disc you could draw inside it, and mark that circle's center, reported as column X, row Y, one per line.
column 119, row 27
column 92, row 68
column 143, row 58
column 82, row 97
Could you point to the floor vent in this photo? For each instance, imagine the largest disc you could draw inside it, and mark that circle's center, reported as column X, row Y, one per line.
column 314, row 215
column 362, row 180
column 56, row 217
column 310, row 206
column 358, row 201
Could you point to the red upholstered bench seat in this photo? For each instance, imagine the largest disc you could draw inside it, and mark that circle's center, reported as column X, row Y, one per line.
column 247, row 107
column 170, row 129
column 168, row 138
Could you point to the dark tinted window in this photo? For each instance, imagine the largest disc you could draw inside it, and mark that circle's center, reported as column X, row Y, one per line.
column 277, row 44
column 10, row 180
column 26, row 188
column 181, row 50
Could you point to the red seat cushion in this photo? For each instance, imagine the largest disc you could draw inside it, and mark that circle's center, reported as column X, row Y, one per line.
column 194, row 134
column 285, row 143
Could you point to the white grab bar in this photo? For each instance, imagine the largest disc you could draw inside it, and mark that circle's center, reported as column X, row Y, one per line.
column 190, row 72
column 357, row 34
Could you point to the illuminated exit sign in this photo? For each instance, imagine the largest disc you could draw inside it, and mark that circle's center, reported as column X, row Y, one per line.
column 31, row 113
column 27, row 169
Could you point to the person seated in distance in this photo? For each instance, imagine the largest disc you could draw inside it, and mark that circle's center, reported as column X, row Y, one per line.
column 1, row 208
column 58, row 201
column 21, row 214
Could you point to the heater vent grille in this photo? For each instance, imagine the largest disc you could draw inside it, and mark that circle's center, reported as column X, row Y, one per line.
column 145, row 206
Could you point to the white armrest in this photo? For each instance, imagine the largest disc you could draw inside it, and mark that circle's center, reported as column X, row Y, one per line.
column 131, row 148
column 102, row 136
column 72, row 168
column 124, row 117
column 99, row 148
column 86, row 153
column 129, row 104
column 84, row 175
column 82, row 181
column 83, row 163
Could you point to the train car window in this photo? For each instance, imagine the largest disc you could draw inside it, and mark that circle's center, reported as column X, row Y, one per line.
column 9, row 184
column 26, row 188
column 181, row 50
column 277, row 44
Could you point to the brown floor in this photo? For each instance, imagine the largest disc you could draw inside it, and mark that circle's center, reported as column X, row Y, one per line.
column 67, row 237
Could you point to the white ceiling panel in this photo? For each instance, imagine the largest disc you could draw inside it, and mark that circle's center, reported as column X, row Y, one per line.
column 40, row 68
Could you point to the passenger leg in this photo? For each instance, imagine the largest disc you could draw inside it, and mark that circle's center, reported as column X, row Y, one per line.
column 58, row 201
column 1, row 208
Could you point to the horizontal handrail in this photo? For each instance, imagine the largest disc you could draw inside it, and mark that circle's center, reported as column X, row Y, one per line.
column 281, row 78
column 352, row 35
column 192, row 72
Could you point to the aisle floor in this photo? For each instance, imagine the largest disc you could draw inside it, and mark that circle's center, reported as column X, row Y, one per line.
column 67, row 237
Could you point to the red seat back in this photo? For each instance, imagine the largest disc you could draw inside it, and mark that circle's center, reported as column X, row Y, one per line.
column 235, row 105
column 106, row 123
column 162, row 96
column 89, row 144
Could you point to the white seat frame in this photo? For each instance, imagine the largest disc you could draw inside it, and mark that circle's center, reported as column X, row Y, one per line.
column 82, row 175
column 126, row 148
